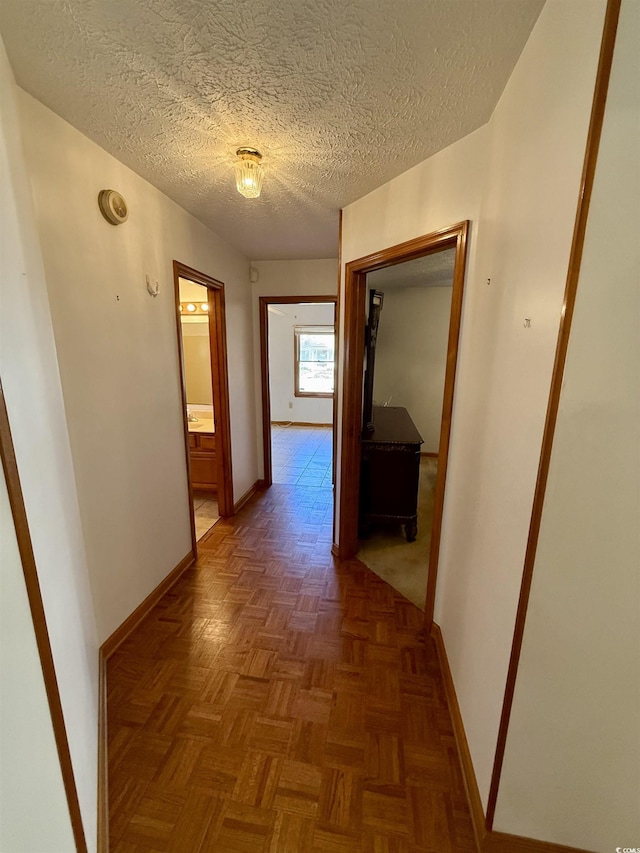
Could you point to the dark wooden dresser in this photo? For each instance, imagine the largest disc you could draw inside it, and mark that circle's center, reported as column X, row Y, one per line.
column 390, row 471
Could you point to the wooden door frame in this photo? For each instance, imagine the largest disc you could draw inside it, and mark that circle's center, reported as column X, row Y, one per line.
column 264, row 302
column 41, row 632
column 220, row 382
column 355, row 286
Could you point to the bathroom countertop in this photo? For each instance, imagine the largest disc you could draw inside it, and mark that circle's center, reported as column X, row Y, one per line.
column 202, row 425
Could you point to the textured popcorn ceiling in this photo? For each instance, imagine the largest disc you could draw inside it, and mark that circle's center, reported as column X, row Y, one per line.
column 338, row 95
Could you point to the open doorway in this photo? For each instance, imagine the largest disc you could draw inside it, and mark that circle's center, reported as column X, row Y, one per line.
column 362, row 480
column 203, row 362
column 408, row 381
column 297, row 336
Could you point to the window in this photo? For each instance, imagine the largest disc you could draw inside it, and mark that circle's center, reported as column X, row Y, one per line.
column 314, row 361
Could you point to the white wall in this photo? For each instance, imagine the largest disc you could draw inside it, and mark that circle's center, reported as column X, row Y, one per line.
column 517, row 180
column 411, row 356
column 31, row 383
column 30, row 769
column 313, row 410
column 296, row 278
column 286, row 278
column 572, row 762
column 118, row 354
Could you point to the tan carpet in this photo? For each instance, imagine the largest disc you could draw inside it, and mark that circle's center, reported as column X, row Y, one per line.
column 405, row 565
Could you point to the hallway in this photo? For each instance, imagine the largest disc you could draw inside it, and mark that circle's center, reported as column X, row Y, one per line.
column 278, row 701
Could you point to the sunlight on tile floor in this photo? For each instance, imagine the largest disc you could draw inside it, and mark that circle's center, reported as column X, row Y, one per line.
column 301, row 455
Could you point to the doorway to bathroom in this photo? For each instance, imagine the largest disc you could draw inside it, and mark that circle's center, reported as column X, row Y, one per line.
column 203, row 369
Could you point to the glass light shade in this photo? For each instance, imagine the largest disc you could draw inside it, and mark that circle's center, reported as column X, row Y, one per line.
column 249, row 173
column 204, row 307
column 191, row 307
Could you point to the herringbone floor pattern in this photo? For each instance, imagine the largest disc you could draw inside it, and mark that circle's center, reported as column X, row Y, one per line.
column 279, row 701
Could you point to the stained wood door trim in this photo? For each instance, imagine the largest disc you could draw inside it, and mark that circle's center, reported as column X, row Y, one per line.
column 220, row 380
column 263, row 308
column 36, row 605
column 336, row 354
column 575, row 258
column 103, row 753
column 356, row 271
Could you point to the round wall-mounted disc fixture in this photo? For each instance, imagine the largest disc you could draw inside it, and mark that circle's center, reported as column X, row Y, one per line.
column 113, row 207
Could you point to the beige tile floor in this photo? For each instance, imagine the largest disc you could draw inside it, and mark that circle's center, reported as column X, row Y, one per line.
column 301, row 455
column 206, row 510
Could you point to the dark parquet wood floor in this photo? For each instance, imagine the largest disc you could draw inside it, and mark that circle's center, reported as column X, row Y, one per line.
column 279, row 701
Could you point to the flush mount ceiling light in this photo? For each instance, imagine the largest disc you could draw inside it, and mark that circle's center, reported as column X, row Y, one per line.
column 249, row 173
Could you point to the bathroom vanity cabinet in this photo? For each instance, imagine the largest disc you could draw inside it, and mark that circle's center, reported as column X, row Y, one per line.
column 204, row 464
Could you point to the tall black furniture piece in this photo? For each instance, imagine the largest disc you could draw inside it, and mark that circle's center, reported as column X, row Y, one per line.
column 376, row 298
column 390, row 471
